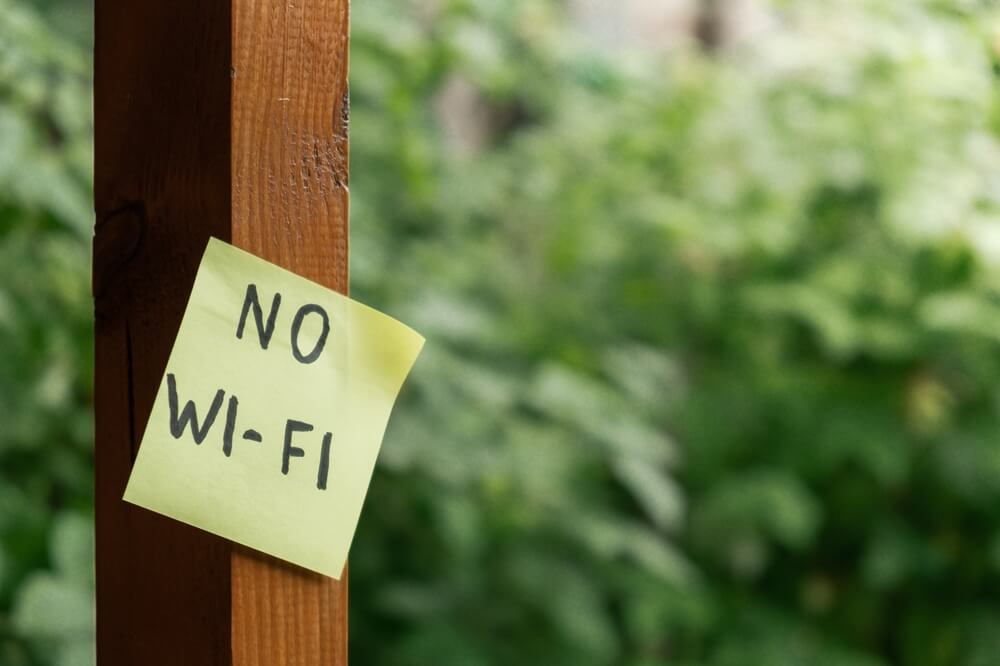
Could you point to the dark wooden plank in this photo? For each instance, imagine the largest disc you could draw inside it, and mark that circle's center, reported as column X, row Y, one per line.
column 162, row 186
column 184, row 150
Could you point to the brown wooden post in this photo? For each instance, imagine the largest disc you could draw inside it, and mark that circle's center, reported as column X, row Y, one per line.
column 224, row 119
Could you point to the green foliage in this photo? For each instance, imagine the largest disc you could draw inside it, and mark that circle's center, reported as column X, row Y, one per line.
column 714, row 338
column 712, row 360
column 46, row 367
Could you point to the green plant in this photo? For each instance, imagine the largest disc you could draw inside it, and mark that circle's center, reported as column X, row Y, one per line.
column 46, row 367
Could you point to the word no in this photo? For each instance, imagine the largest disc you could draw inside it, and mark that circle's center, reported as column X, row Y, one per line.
column 251, row 302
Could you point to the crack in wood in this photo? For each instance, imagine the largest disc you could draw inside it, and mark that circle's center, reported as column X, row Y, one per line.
column 118, row 235
column 130, row 372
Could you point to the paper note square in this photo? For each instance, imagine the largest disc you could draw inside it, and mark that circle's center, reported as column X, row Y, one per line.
column 271, row 411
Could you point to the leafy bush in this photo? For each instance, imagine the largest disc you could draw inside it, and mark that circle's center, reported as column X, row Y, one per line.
column 712, row 361
column 46, row 367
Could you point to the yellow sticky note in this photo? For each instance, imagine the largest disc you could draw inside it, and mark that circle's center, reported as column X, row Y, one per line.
column 271, row 411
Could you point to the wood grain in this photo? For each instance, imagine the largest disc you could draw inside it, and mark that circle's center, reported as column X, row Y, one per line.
column 224, row 119
column 290, row 206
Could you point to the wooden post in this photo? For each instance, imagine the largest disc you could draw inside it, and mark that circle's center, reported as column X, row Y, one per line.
column 224, row 119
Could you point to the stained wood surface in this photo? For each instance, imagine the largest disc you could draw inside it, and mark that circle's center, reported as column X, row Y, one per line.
column 224, row 119
column 289, row 161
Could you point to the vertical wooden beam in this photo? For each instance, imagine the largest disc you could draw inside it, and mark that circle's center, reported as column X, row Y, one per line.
column 224, row 119
column 289, row 161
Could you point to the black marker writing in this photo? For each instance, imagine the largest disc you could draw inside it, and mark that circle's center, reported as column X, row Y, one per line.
column 324, row 462
column 227, row 435
column 297, row 325
column 251, row 303
column 264, row 331
column 190, row 413
column 180, row 419
column 289, row 451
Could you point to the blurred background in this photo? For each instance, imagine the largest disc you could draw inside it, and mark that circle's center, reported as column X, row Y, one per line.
column 712, row 294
